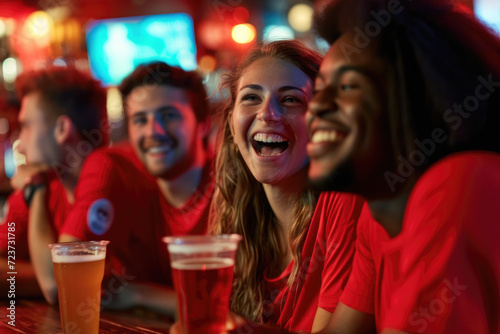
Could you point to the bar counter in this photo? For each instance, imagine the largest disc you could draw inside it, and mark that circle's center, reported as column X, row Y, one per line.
column 36, row 316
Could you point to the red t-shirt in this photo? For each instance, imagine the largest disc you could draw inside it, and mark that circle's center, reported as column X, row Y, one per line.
column 327, row 258
column 17, row 216
column 116, row 200
column 192, row 218
column 441, row 274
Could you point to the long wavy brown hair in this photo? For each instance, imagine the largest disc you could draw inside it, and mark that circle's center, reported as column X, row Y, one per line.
column 240, row 204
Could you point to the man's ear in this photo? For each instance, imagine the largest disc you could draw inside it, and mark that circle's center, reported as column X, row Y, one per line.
column 64, row 129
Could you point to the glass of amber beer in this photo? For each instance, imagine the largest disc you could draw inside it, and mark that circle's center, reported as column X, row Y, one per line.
column 202, row 271
column 79, row 269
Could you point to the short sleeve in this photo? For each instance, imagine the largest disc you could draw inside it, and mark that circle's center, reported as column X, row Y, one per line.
column 340, row 234
column 14, row 227
column 359, row 292
column 93, row 212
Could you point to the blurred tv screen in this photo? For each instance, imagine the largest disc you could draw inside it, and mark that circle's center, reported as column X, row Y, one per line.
column 488, row 11
column 116, row 46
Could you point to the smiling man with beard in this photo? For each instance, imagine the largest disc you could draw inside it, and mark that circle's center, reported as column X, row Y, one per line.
column 158, row 184
column 168, row 124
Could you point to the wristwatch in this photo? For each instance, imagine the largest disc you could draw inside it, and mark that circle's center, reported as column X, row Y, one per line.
column 29, row 191
column 37, row 182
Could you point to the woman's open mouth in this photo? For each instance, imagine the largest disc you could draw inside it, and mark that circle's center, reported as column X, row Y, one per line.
column 267, row 145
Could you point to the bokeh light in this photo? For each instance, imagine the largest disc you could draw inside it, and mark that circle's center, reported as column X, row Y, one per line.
column 243, row 33
column 213, row 34
column 300, row 17
column 278, row 32
column 207, row 63
column 114, row 105
column 3, row 28
column 39, row 23
column 9, row 69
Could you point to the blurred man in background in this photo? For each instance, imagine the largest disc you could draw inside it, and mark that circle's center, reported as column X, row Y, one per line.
column 62, row 121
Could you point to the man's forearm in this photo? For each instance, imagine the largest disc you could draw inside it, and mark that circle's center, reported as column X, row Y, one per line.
column 40, row 234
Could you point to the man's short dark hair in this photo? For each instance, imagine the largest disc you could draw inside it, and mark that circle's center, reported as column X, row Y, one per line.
column 70, row 92
column 161, row 74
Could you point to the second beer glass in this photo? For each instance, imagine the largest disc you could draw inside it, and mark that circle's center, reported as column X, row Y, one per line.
column 202, row 271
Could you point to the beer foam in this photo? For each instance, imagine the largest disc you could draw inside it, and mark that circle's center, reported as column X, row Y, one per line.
column 202, row 263
column 201, row 248
column 77, row 258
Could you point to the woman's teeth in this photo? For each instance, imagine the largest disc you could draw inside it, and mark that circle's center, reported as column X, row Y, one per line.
column 269, row 144
column 268, row 138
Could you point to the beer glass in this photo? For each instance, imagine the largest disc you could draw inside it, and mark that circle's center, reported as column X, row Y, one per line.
column 78, row 270
column 202, row 271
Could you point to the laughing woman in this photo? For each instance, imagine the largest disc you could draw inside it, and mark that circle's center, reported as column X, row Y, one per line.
column 297, row 246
